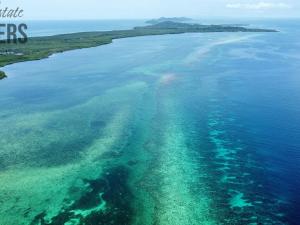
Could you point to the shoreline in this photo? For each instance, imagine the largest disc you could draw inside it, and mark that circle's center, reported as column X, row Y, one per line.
column 38, row 48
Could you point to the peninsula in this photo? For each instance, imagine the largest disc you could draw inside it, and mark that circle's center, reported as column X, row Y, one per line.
column 41, row 47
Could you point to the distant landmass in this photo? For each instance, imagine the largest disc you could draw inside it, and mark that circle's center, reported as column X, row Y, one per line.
column 235, row 24
column 41, row 47
column 169, row 27
column 170, row 19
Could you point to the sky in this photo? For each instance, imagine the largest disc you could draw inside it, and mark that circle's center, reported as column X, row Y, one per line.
column 135, row 9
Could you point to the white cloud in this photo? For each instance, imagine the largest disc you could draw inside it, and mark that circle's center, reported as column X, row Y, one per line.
column 259, row 5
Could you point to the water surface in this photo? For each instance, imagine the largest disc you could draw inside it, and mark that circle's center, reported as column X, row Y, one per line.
column 173, row 129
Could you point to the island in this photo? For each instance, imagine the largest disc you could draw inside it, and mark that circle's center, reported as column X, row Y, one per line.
column 41, row 47
column 2, row 75
column 171, row 19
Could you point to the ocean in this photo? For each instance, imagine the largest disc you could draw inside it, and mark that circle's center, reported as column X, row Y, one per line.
column 172, row 130
column 48, row 28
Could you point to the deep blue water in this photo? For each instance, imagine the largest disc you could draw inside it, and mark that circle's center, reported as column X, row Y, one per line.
column 201, row 128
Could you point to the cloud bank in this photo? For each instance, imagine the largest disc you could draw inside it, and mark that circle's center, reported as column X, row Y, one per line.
column 259, row 5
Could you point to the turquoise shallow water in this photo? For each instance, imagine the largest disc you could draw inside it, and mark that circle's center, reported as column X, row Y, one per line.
column 174, row 129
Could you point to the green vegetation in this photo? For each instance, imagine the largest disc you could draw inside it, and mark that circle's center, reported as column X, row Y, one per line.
column 2, row 75
column 172, row 19
column 42, row 47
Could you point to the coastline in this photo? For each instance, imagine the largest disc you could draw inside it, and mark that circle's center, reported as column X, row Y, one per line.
column 38, row 48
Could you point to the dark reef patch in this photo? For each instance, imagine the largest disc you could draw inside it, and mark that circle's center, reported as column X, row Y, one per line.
column 110, row 190
column 56, row 153
column 132, row 162
column 53, row 154
column 39, row 219
column 97, row 124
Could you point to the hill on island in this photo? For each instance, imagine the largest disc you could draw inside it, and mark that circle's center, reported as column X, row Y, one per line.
column 170, row 19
